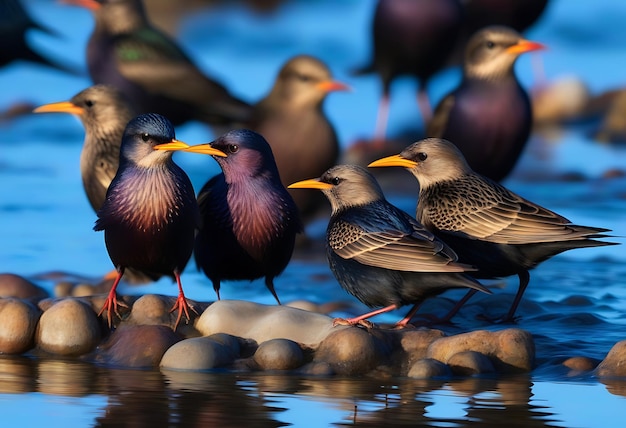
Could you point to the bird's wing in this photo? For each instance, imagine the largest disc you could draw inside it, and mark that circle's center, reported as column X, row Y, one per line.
column 438, row 123
column 498, row 215
column 389, row 249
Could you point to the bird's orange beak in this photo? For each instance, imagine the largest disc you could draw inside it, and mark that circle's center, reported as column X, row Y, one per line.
column 395, row 160
column 61, row 107
column 88, row 4
column 332, row 86
column 313, row 183
column 177, row 145
column 525, row 46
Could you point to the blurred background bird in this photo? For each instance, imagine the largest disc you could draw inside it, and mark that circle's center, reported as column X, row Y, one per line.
column 488, row 116
column 125, row 50
column 150, row 214
column 291, row 118
column 249, row 221
column 488, row 226
column 411, row 37
column 379, row 253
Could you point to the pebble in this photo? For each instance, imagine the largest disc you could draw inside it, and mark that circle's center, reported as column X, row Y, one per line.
column 614, row 364
column 18, row 322
column 279, row 354
column 428, row 368
column 12, row 285
column 201, row 353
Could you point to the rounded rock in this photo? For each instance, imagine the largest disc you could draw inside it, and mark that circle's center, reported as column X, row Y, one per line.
column 68, row 327
column 12, row 285
column 427, row 368
column 18, row 322
column 614, row 365
column 279, row 354
column 581, row 364
column 468, row 363
column 151, row 309
column 350, row 351
column 200, row 353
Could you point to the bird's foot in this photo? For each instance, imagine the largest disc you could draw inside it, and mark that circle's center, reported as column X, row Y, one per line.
column 183, row 306
column 354, row 322
column 110, row 306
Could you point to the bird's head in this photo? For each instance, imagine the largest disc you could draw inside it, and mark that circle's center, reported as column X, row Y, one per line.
column 117, row 16
column 147, row 141
column 431, row 161
column 491, row 52
column 345, row 186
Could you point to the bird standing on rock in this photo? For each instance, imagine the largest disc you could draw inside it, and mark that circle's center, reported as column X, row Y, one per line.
column 150, row 213
column 151, row 69
column 249, row 221
column 411, row 37
column 488, row 226
column 379, row 253
column 488, row 116
column 291, row 119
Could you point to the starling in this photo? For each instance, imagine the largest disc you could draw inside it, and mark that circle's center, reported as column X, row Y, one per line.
column 488, row 116
column 291, row 119
column 379, row 253
column 151, row 69
column 249, row 221
column 411, row 37
column 488, row 226
column 150, row 213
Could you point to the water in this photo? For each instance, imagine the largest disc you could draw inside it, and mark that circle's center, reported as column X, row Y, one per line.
column 575, row 304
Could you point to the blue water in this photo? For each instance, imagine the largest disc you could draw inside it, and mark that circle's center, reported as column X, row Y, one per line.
column 46, row 227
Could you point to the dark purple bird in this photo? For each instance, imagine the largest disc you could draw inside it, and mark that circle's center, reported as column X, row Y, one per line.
column 411, row 37
column 151, row 69
column 150, row 213
column 488, row 226
column 488, row 116
column 379, row 253
column 249, row 221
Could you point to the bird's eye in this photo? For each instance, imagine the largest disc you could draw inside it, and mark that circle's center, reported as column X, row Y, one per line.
column 490, row 44
column 145, row 136
column 233, row 148
column 335, row 181
column 421, row 156
column 304, row 77
column 89, row 103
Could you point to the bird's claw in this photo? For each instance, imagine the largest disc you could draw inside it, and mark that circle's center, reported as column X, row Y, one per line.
column 356, row 323
column 183, row 306
column 110, row 306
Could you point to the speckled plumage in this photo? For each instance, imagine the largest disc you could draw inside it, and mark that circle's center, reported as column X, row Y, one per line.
column 488, row 116
column 379, row 253
column 488, row 226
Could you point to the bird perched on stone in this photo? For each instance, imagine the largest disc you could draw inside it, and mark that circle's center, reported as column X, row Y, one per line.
column 489, row 226
column 488, row 116
column 150, row 213
column 415, row 38
column 249, row 221
column 379, row 253
column 292, row 120
column 151, row 69
column 15, row 24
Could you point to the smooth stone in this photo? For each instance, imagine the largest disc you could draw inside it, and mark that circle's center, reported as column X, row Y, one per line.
column 151, row 309
column 352, row 351
column 18, row 322
column 511, row 350
column 279, row 354
column 427, row 368
column 316, row 368
column 63, row 289
column 613, row 127
column 263, row 322
column 468, row 363
column 201, row 353
column 416, row 342
column 136, row 346
column 581, row 364
column 12, row 285
column 68, row 327
column 83, row 290
column 564, row 99
column 614, row 364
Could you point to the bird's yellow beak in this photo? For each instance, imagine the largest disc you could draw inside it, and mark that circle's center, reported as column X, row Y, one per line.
column 332, row 86
column 61, row 107
column 395, row 160
column 525, row 46
column 313, row 183
column 177, row 145
column 88, row 4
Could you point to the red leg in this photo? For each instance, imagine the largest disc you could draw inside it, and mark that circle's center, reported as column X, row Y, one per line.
column 110, row 304
column 360, row 319
column 181, row 303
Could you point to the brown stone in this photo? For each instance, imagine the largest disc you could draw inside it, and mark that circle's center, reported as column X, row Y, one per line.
column 201, row 353
column 279, row 354
column 12, row 285
column 614, row 365
column 581, row 364
column 468, row 363
column 18, row 322
column 427, row 368
column 351, row 351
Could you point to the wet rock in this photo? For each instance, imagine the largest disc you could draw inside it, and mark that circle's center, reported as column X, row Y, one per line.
column 427, row 368
column 18, row 322
column 262, row 322
column 511, row 350
column 581, row 364
column 63, row 289
column 137, row 346
column 615, row 362
column 352, row 350
column 68, row 327
column 201, row 353
column 151, row 309
column 562, row 100
column 416, row 342
column 468, row 363
column 279, row 354
column 12, row 285
column 316, row 368
column 82, row 290
column 613, row 127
